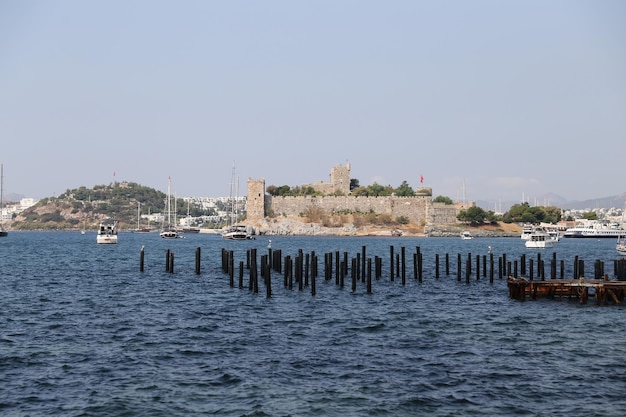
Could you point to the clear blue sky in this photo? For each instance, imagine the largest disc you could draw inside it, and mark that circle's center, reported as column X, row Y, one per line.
column 503, row 99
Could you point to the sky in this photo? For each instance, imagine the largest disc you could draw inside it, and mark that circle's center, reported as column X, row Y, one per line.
column 486, row 99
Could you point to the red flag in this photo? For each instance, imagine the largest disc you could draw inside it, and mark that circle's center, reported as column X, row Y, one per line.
column 421, row 178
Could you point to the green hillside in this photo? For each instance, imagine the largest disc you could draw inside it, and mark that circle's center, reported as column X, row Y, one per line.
column 86, row 207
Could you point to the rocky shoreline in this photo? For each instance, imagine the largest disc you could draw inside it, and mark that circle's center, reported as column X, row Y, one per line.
column 291, row 227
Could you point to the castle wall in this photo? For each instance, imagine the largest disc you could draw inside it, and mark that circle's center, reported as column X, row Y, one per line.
column 416, row 209
column 419, row 209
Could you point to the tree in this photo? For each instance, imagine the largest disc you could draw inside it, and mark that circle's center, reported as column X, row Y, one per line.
column 404, row 190
column 361, row 192
column 272, row 190
column 442, row 199
column 473, row 215
column 590, row 215
column 354, row 183
column 377, row 190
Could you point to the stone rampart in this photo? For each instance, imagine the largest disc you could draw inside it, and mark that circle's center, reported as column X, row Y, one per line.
column 416, row 209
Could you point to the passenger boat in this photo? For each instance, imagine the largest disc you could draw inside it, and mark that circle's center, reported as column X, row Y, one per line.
column 107, row 233
column 539, row 239
column 527, row 230
column 466, row 235
column 594, row 229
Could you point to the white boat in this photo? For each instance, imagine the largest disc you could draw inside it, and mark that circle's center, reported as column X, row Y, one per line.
column 539, row 239
column 594, row 229
column 621, row 245
column 140, row 229
column 169, row 231
column 466, row 235
column 3, row 231
column 527, row 230
column 234, row 231
column 554, row 235
column 107, row 233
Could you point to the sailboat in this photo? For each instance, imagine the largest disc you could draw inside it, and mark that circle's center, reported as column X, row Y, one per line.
column 3, row 232
column 234, row 231
column 169, row 231
column 189, row 228
column 140, row 229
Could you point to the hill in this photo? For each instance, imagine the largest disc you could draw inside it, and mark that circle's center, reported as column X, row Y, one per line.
column 84, row 207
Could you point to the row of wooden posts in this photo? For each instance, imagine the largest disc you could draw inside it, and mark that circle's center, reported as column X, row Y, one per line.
column 302, row 269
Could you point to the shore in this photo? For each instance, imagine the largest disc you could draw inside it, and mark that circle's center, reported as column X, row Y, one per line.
column 295, row 227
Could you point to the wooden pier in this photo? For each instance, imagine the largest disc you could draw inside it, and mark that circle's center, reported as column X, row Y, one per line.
column 603, row 290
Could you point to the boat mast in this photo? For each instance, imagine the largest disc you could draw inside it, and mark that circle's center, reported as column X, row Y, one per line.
column 169, row 203
column 232, row 203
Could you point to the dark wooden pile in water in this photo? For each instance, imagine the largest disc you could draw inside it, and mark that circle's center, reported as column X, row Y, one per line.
column 301, row 271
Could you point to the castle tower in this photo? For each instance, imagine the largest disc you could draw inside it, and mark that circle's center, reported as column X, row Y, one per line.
column 340, row 179
column 255, row 203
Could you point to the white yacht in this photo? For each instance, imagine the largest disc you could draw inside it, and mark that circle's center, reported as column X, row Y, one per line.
column 107, row 233
column 539, row 239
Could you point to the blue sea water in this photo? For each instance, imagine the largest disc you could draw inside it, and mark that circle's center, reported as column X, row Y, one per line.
column 84, row 333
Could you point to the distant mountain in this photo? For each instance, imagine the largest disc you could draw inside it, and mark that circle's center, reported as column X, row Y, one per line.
column 604, row 202
column 552, row 199
column 12, row 197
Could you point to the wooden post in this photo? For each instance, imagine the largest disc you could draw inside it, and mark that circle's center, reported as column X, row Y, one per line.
column 363, row 261
column 240, row 275
column 403, row 274
column 268, row 280
column 369, row 275
column 141, row 259
column 477, row 267
column 198, row 260
column 391, row 267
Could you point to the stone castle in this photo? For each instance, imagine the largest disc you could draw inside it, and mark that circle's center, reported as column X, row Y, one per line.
column 419, row 209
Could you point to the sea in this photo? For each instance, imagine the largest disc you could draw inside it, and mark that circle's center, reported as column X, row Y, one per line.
column 85, row 332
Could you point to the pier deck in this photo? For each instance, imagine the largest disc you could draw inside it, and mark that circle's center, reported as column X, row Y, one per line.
column 603, row 290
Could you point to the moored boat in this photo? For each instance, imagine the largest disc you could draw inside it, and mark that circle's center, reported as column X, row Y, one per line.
column 466, row 235
column 236, row 232
column 527, row 230
column 107, row 233
column 594, row 229
column 539, row 239
column 169, row 231
column 621, row 246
